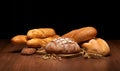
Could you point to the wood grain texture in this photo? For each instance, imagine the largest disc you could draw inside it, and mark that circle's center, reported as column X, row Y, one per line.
column 12, row 60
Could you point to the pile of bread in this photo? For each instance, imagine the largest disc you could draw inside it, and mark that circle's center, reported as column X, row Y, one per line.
column 82, row 40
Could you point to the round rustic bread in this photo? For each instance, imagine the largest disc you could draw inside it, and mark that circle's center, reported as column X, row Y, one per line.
column 62, row 46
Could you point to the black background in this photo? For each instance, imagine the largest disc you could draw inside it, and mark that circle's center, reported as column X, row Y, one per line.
column 26, row 16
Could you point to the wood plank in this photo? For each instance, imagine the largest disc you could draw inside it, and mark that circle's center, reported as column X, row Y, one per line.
column 3, row 43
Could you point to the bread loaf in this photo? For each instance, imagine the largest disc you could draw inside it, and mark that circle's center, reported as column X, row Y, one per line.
column 41, row 33
column 19, row 39
column 82, row 34
column 62, row 46
column 97, row 46
column 38, row 42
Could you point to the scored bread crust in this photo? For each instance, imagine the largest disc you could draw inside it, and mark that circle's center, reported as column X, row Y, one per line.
column 96, row 46
column 82, row 34
column 41, row 33
column 62, row 46
column 38, row 42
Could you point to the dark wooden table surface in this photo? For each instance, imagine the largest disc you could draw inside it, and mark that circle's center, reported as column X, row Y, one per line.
column 12, row 60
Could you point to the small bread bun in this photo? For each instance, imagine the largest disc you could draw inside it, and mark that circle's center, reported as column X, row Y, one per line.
column 28, row 51
column 19, row 39
column 82, row 34
column 62, row 46
column 104, row 45
column 97, row 46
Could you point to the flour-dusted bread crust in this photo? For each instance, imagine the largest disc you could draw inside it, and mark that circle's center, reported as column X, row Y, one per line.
column 62, row 46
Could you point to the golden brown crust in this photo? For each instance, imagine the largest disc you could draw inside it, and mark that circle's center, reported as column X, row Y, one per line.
column 82, row 34
column 19, row 39
column 103, row 43
column 56, row 36
column 41, row 33
column 47, row 40
column 97, row 46
column 38, row 42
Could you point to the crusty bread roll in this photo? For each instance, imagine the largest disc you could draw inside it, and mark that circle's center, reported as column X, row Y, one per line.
column 105, row 47
column 96, row 46
column 28, row 51
column 82, row 34
column 62, row 46
column 19, row 39
column 48, row 39
column 38, row 42
column 41, row 33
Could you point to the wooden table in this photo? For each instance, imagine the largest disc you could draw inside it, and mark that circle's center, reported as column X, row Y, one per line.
column 12, row 60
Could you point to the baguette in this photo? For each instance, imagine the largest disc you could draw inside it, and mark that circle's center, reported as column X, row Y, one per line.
column 82, row 34
column 40, row 33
